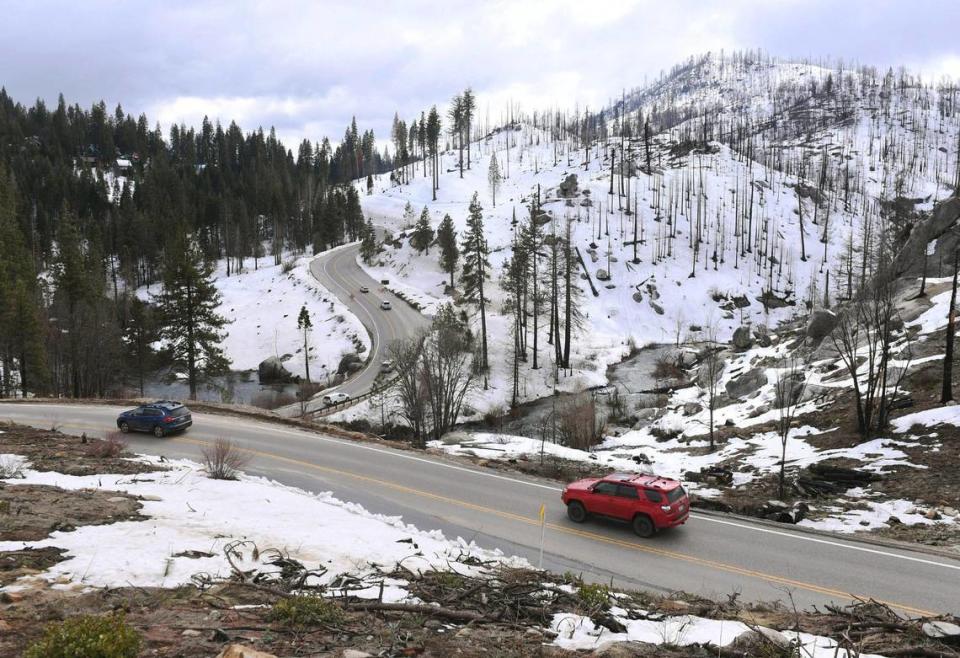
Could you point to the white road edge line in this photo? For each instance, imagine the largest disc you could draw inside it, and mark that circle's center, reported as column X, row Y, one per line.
column 745, row 526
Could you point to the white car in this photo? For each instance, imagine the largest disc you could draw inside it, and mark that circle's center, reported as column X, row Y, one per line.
column 335, row 398
column 364, row 289
column 385, row 305
column 386, row 366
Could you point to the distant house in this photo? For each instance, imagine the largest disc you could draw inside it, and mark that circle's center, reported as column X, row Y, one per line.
column 123, row 165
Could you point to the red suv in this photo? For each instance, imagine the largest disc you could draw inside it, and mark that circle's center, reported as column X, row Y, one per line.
column 648, row 502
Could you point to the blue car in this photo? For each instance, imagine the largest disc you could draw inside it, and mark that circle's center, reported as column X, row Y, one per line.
column 160, row 418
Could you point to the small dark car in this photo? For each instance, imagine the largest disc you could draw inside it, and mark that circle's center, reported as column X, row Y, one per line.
column 159, row 418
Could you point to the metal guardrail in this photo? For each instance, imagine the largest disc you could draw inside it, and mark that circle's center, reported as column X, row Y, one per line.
column 346, row 404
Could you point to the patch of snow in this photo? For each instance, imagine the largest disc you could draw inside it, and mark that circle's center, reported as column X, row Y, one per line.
column 949, row 414
column 576, row 632
column 188, row 511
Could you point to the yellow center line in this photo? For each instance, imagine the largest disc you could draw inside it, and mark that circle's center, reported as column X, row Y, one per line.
column 674, row 555
column 534, row 521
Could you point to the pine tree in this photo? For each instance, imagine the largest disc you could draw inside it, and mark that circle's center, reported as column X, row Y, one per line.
column 433, row 138
column 422, row 233
column 456, row 124
column 21, row 345
column 469, row 108
column 368, row 243
column 447, row 240
column 476, row 272
column 532, row 237
column 493, row 177
column 189, row 323
column 513, row 283
column 305, row 325
column 139, row 335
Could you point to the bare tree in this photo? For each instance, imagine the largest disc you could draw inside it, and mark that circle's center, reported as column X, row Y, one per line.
column 865, row 338
column 448, row 370
column 946, row 393
column 711, row 371
column 789, row 388
column 409, row 387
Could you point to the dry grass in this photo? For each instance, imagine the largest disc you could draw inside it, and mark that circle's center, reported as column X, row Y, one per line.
column 223, row 460
column 112, row 446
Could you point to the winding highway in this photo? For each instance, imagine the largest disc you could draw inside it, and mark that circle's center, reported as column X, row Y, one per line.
column 712, row 555
column 337, row 270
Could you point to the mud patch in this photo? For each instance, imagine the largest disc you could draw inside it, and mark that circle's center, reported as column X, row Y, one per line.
column 30, row 512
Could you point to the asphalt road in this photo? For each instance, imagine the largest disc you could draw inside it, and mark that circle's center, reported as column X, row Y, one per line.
column 712, row 555
column 337, row 270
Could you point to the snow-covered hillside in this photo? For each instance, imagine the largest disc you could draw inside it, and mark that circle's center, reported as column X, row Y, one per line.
column 742, row 155
column 262, row 305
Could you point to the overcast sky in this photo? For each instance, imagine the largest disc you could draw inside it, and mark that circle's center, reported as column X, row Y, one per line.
column 307, row 67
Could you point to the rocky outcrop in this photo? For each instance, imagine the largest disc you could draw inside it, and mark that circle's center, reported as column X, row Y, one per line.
column 945, row 215
column 742, row 338
column 747, row 383
column 821, row 323
column 272, row 371
column 349, row 364
column 568, row 188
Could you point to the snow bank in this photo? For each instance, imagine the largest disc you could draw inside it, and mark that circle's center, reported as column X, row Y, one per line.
column 261, row 307
column 576, row 632
column 189, row 512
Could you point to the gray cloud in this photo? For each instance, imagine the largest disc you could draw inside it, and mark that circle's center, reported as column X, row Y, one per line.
column 306, row 66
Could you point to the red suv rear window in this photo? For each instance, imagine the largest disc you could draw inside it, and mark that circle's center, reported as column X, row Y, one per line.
column 675, row 494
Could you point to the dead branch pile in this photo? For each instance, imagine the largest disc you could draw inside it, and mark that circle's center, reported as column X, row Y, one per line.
column 872, row 627
column 474, row 592
column 821, row 479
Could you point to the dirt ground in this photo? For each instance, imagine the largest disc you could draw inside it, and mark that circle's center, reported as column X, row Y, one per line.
column 503, row 614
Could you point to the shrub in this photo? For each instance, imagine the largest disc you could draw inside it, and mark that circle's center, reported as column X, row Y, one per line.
column 579, row 423
column 288, row 266
column 11, row 467
column 112, row 446
column 305, row 611
column 667, row 368
column 595, row 596
column 493, row 418
column 223, row 460
column 87, row 636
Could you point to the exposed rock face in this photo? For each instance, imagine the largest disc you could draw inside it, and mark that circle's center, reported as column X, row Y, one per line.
column 568, row 188
column 747, row 383
column 742, row 339
column 945, row 215
column 271, row 371
column 349, row 364
column 821, row 323
column 770, row 300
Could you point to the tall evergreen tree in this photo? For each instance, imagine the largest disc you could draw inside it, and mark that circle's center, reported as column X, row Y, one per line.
column 455, row 113
column 139, row 336
column 475, row 272
column 469, row 109
column 189, row 323
column 494, row 178
column 447, row 240
column 532, row 237
column 21, row 346
column 305, row 325
column 368, row 243
column 422, row 233
column 433, row 136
